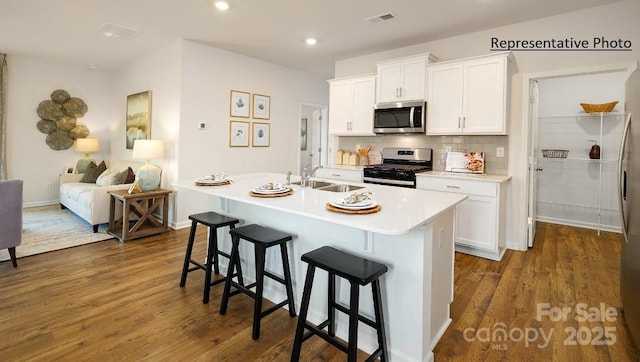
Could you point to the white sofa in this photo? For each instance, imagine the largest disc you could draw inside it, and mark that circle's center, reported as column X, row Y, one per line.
column 88, row 200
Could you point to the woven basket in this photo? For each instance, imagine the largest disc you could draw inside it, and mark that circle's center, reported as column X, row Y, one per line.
column 598, row 108
column 555, row 153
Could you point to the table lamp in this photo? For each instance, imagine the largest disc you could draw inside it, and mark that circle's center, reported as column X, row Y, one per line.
column 86, row 145
column 148, row 175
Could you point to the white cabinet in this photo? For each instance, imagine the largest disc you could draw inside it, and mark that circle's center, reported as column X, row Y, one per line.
column 339, row 173
column 480, row 219
column 402, row 79
column 468, row 96
column 351, row 102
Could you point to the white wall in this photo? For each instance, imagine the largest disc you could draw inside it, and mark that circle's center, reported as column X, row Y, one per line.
column 208, row 76
column 189, row 83
column 159, row 72
column 31, row 81
column 617, row 20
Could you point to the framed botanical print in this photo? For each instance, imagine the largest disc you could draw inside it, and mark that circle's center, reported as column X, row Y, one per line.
column 239, row 104
column 238, row 134
column 138, row 122
column 261, row 134
column 261, row 106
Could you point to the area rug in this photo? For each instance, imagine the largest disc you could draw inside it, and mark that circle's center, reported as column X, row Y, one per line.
column 49, row 228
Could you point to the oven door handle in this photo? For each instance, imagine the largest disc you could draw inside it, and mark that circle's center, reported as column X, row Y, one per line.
column 386, row 181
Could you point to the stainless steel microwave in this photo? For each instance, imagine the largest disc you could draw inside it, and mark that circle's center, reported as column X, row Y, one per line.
column 400, row 117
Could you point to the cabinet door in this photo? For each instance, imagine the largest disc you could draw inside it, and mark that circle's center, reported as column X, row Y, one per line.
column 342, row 174
column 389, row 79
column 476, row 223
column 340, row 101
column 364, row 91
column 444, row 99
column 485, row 96
column 412, row 86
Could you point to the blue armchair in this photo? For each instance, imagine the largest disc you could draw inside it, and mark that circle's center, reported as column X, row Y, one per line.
column 11, row 216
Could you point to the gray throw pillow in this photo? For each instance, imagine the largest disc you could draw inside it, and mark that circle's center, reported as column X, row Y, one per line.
column 92, row 173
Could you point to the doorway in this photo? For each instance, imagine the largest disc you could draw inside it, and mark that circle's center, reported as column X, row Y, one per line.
column 566, row 186
column 313, row 136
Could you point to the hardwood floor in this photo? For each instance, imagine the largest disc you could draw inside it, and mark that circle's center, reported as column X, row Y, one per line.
column 567, row 267
column 112, row 301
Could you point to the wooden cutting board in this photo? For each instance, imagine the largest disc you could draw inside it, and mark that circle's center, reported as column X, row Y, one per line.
column 363, row 211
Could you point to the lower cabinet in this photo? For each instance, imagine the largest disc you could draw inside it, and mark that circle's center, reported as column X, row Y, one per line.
column 480, row 219
column 338, row 173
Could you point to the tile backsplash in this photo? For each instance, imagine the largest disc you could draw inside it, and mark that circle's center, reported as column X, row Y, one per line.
column 487, row 144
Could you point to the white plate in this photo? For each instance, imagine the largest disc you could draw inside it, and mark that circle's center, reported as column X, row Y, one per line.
column 265, row 190
column 269, row 192
column 211, row 181
column 360, row 205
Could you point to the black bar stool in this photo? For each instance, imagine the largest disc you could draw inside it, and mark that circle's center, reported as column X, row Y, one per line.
column 213, row 221
column 262, row 238
column 357, row 271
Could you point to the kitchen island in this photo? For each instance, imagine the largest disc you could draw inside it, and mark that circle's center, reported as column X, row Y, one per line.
column 412, row 234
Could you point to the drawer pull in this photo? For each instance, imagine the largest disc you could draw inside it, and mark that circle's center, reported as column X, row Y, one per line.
column 453, row 187
column 336, row 174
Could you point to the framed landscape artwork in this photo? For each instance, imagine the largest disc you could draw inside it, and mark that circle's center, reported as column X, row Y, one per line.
column 239, row 104
column 261, row 136
column 261, row 106
column 238, row 134
column 138, row 122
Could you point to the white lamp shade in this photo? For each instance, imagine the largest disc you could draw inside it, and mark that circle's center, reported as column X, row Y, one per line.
column 87, row 145
column 147, row 149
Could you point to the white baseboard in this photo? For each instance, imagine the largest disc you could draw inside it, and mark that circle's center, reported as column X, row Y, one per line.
column 579, row 224
column 41, row 203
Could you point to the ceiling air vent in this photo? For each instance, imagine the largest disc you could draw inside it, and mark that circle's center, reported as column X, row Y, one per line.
column 111, row 30
column 379, row 18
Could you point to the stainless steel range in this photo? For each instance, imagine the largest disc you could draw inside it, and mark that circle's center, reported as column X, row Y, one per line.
column 399, row 166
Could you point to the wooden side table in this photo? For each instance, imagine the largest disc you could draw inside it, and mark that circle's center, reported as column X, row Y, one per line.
column 141, row 205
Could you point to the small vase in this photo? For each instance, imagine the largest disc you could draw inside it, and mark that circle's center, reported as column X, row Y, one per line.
column 594, row 153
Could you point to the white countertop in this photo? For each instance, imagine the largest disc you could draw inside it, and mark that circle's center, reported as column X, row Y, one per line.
column 465, row 176
column 403, row 209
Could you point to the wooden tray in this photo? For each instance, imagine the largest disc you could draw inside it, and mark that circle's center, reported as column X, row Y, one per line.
column 271, row 195
column 212, row 184
column 363, row 211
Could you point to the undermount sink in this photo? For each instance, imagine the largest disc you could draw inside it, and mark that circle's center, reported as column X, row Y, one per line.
column 314, row 184
column 328, row 186
column 340, row 188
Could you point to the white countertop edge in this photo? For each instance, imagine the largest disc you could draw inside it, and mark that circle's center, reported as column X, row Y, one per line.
column 290, row 205
column 465, row 176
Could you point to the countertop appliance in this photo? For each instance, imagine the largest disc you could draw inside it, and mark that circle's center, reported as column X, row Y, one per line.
column 400, row 117
column 399, row 167
column 629, row 187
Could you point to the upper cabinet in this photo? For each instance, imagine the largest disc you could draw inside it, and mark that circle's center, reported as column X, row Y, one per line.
column 468, row 96
column 402, row 79
column 351, row 102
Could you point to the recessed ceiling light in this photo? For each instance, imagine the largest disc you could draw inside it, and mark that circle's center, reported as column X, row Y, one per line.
column 311, row 41
column 222, row 5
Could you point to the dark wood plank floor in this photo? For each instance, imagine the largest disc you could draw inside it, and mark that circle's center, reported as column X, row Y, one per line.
column 112, row 301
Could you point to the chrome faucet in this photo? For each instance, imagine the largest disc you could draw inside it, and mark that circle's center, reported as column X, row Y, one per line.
column 304, row 181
